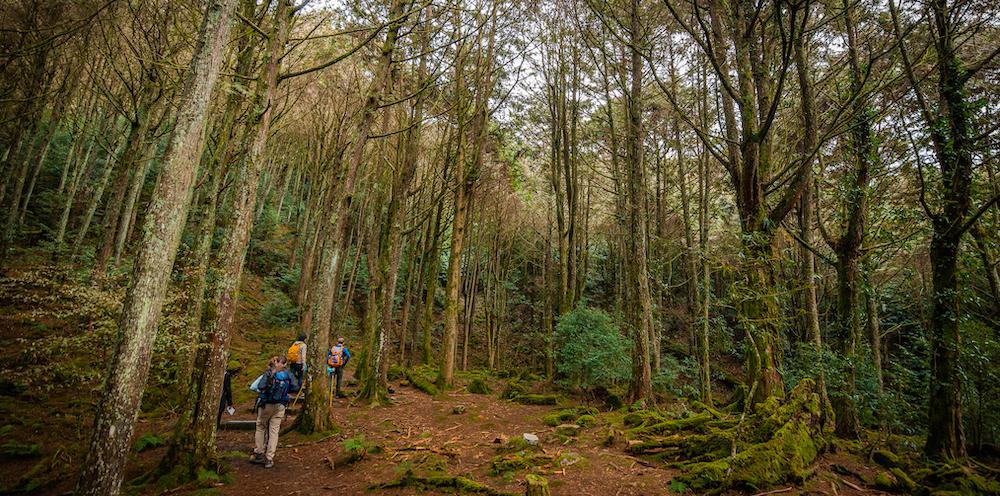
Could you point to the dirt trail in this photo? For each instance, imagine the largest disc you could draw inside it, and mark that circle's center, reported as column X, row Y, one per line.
column 419, row 431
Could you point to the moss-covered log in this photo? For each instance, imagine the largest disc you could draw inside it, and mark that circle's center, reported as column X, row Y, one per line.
column 461, row 485
column 536, row 399
column 420, row 382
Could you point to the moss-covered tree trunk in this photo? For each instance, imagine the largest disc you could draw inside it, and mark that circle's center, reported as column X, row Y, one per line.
column 950, row 128
column 641, row 388
column 104, row 464
column 195, row 436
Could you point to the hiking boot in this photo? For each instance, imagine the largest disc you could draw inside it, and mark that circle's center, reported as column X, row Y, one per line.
column 257, row 458
column 268, row 463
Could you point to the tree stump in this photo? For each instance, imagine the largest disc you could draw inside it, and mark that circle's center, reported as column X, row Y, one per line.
column 537, row 485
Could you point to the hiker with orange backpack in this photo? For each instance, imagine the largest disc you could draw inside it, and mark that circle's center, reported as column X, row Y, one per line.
column 296, row 357
column 336, row 361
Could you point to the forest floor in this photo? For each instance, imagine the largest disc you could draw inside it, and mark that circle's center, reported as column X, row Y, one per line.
column 54, row 343
column 424, row 434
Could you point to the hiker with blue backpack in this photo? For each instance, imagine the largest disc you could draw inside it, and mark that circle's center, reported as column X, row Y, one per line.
column 336, row 361
column 273, row 387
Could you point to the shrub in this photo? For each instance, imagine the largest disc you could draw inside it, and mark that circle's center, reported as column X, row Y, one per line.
column 590, row 350
column 279, row 310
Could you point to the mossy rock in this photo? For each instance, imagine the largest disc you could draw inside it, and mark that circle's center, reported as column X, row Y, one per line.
column 568, row 430
column 513, row 462
column 517, row 444
column 586, row 420
column 536, row 399
column 560, row 417
column 884, row 482
column 960, row 479
column 885, row 458
column 479, row 386
column 641, row 418
column 536, row 485
column 903, row 481
column 528, row 376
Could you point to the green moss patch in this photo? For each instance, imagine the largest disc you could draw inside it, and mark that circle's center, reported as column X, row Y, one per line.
column 458, row 484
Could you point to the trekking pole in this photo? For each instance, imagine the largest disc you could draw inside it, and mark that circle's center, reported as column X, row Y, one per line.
column 329, row 405
column 305, row 379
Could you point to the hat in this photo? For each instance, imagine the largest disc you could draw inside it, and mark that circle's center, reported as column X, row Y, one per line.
column 340, row 340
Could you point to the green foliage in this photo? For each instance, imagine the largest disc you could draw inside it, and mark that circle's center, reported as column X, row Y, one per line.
column 278, row 309
column 148, row 441
column 677, row 486
column 675, row 376
column 591, row 351
column 512, row 389
column 875, row 407
column 15, row 449
column 356, row 448
column 479, row 386
column 980, row 355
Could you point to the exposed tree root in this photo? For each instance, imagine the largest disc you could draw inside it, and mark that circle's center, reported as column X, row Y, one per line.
column 716, row 452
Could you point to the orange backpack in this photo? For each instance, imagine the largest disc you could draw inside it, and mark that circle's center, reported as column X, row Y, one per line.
column 336, row 358
column 295, row 352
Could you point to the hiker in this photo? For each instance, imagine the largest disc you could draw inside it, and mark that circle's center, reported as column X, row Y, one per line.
column 336, row 361
column 226, row 402
column 273, row 385
column 297, row 357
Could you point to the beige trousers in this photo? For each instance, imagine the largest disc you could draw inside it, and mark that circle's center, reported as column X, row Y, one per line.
column 268, row 425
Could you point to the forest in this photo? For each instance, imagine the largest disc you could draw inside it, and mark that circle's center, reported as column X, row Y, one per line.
column 580, row 247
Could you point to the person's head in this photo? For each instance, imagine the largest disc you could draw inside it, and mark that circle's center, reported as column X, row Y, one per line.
column 277, row 362
column 340, row 341
column 302, row 336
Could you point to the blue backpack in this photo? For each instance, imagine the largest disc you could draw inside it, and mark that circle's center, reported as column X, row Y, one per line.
column 276, row 388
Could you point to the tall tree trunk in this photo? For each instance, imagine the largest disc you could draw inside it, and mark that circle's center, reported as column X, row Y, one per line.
column 641, row 388
column 807, row 267
column 314, row 417
column 104, row 464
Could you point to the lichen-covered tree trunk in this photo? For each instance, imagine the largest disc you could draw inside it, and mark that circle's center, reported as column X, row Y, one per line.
column 104, row 464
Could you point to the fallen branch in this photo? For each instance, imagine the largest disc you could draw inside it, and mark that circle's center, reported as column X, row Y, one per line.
column 851, row 485
column 776, row 491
